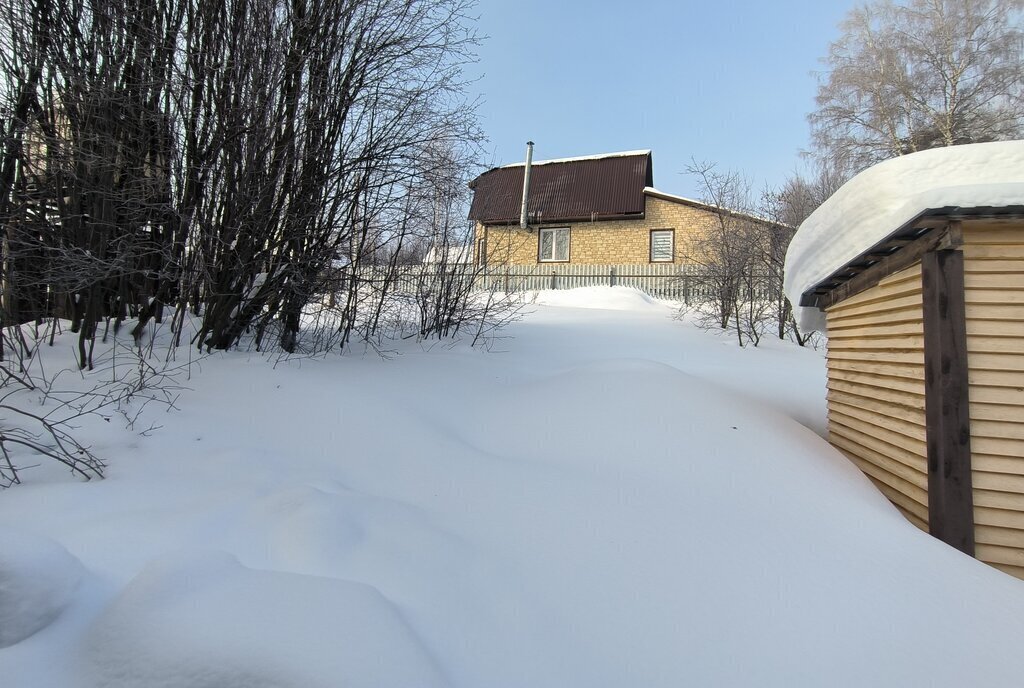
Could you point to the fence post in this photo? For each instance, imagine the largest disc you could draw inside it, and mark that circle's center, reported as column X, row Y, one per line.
column 554, row 280
column 611, row 277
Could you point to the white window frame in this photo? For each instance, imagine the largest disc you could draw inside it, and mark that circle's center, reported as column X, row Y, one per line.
column 481, row 251
column 554, row 244
column 672, row 246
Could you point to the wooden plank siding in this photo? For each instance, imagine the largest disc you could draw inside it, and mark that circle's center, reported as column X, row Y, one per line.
column 876, row 389
column 876, row 385
column 994, row 298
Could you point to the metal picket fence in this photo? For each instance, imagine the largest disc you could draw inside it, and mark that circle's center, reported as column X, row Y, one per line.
column 677, row 282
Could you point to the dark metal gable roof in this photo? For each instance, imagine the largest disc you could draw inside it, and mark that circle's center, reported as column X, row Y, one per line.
column 600, row 187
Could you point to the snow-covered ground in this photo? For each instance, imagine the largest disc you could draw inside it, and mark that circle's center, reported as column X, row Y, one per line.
column 609, row 497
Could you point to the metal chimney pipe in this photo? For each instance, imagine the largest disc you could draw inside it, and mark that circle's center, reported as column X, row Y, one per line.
column 523, row 217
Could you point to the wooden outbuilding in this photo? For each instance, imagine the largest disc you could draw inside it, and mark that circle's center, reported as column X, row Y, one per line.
column 925, row 328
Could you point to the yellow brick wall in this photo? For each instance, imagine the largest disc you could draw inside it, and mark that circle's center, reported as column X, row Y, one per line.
column 592, row 243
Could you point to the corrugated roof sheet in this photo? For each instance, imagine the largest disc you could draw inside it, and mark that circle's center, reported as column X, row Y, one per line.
column 574, row 189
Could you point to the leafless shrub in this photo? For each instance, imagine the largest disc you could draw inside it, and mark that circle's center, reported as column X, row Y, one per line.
column 234, row 163
column 219, row 157
column 40, row 409
column 738, row 260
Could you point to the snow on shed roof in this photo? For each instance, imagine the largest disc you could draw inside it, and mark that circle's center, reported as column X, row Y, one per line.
column 885, row 197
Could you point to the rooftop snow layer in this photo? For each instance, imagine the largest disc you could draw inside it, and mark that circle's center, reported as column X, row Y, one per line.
column 651, row 191
column 657, row 192
column 883, row 198
column 599, row 156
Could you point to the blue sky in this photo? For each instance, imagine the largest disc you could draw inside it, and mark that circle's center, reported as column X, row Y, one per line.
column 728, row 82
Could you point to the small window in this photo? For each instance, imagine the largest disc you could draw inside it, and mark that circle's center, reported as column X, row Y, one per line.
column 554, row 245
column 663, row 245
column 481, row 251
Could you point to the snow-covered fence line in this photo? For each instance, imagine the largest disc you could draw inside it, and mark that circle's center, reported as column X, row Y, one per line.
column 687, row 283
column 660, row 281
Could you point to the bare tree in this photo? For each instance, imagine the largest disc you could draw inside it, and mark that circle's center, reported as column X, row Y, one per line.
column 737, row 262
column 802, row 193
column 217, row 156
column 727, row 257
column 323, row 164
column 787, row 209
column 928, row 73
column 217, row 159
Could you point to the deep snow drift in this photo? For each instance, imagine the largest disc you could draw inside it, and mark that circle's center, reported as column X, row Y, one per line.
column 609, row 498
column 883, row 198
column 37, row 580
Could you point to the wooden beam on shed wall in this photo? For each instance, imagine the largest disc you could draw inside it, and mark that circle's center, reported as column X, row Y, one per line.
column 947, row 409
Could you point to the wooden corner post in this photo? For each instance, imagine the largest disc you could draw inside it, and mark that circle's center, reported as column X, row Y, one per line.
column 947, row 410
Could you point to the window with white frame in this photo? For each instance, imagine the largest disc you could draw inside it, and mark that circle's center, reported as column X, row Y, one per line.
column 663, row 245
column 554, row 245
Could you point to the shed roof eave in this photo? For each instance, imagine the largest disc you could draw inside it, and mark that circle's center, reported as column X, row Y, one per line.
column 924, row 222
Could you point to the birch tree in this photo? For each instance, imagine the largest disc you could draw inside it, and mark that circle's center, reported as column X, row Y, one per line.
column 907, row 77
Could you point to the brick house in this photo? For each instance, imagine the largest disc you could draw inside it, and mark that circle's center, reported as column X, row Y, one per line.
column 600, row 209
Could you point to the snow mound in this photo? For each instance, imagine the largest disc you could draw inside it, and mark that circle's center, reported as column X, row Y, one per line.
column 604, row 298
column 205, row 621
column 883, row 198
column 38, row 578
